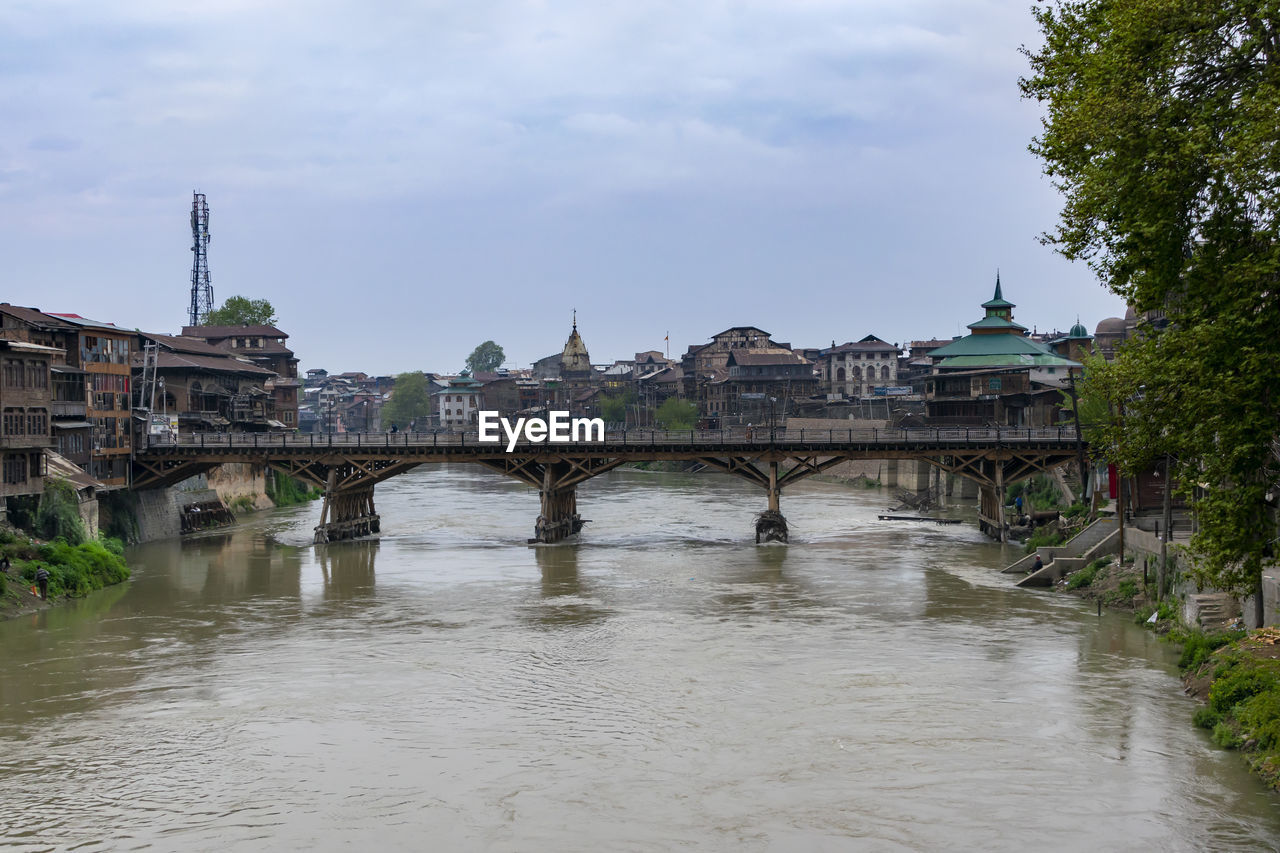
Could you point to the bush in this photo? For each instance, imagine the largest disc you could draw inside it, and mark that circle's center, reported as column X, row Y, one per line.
column 1206, row 717
column 1260, row 716
column 1084, row 577
column 1225, row 735
column 1043, row 539
column 1238, row 684
column 76, row 570
column 1197, row 646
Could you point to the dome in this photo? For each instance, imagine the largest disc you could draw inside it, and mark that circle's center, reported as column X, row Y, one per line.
column 1110, row 326
column 1078, row 330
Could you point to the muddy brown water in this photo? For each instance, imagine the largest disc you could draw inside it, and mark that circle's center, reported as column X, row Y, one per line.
column 664, row 683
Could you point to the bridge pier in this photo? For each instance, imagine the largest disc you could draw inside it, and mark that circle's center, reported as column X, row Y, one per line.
column 346, row 514
column 558, row 519
column 771, row 525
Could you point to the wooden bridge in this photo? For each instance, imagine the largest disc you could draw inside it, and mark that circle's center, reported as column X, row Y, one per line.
column 349, row 465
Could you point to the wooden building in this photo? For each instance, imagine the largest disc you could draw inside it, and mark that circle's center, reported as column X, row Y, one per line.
column 264, row 346
column 26, row 401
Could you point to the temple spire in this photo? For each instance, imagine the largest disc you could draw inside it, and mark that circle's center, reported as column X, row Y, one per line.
column 998, row 296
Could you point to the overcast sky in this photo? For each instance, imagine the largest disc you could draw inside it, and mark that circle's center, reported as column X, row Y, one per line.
column 404, row 180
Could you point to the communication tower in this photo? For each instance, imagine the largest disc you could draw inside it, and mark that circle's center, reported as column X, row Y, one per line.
column 201, row 289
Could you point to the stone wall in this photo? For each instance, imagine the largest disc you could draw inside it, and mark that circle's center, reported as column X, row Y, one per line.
column 160, row 510
column 239, row 483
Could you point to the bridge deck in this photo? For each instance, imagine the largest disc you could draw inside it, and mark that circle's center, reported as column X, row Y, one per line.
column 635, row 443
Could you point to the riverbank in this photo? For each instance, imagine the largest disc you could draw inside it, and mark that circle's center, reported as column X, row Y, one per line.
column 1240, row 686
column 74, row 571
column 1236, row 674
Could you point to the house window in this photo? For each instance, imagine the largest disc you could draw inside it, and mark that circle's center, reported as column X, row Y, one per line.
column 14, row 421
column 13, row 373
column 15, row 468
column 993, row 384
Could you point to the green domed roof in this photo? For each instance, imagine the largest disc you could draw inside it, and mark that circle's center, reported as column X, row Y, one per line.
column 1078, row 330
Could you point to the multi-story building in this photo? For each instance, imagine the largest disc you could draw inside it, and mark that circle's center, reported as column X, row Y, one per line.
column 459, row 402
column 265, row 347
column 854, row 370
column 759, row 384
column 68, row 410
column 26, row 400
column 205, row 387
column 104, row 353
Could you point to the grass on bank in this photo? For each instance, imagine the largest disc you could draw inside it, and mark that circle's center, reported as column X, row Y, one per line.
column 1242, row 672
column 74, row 570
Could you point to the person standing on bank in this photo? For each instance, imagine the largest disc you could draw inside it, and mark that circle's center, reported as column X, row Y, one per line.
column 42, row 578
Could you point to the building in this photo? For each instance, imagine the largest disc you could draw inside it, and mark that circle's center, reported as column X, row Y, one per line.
column 207, row 388
column 760, row 384
column 854, row 370
column 104, row 353
column 997, row 374
column 26, row 398
column 458, row 404
column 69, row 412
column 265, row 347
column 996, row 341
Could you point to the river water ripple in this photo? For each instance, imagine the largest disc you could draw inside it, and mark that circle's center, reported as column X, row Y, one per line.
column 664, row 683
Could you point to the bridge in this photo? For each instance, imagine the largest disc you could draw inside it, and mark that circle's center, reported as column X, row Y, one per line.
column 348, row 466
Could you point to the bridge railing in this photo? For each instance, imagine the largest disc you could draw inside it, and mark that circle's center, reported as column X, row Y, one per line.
column 734, row 437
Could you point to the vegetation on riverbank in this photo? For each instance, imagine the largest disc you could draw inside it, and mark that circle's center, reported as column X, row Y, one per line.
column 74, row 570
column 286, row 491
column 1237, row 675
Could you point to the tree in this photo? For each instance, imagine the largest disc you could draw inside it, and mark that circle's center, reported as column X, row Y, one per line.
column 242, row 311
column 675, row 413
column 485, row 358
column 410, row 400
column 1162, row 135
column 613, row 408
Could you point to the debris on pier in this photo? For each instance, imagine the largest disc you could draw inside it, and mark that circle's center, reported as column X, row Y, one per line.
column 771, row 526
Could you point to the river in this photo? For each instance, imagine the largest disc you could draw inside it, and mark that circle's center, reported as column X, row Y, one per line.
column 664, row 683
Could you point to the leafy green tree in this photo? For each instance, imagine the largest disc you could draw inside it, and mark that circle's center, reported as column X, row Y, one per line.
column 675, row 413
column 613, row 408
column 242, row 311
column 1161, row 133
column 486, row 358
column 410, row 400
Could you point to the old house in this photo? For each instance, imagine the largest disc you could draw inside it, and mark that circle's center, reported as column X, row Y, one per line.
column 759, row 383
column 264, row 346
column 69, row 410
column 207, row 388
column 26, row 399
column 460, row 401
column 856, row 369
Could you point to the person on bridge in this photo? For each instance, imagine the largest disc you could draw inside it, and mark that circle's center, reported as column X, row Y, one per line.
column 748, row 432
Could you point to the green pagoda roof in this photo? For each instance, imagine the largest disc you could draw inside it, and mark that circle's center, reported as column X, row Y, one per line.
column 1022, row 359
column 991, row 345
column 996, row 322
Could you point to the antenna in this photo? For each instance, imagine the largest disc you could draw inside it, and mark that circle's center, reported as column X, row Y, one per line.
column 201, row 289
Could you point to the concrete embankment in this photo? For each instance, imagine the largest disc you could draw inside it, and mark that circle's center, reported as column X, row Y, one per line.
column 237, row 487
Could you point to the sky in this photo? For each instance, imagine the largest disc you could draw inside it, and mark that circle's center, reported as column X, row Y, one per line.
column 404, row 180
